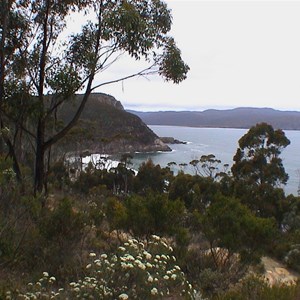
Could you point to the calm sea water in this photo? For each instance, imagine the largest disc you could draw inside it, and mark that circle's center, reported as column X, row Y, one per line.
column 220, row 142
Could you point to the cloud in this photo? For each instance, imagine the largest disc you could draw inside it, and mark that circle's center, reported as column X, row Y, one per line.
column 241, row 53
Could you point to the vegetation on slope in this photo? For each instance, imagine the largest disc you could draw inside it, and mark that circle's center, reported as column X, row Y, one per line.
column 105, row 127
column 117, row 235
column 43, row 64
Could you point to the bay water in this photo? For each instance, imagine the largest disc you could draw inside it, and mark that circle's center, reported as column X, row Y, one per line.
column 223, row 143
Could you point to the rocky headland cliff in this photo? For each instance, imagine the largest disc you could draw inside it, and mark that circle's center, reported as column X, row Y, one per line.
column 105, row 127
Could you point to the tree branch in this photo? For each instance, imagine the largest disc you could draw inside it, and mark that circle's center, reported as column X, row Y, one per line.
column 141, row 73
column 65, row 130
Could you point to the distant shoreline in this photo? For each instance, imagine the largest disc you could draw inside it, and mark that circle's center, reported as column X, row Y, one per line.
column 239, row 118
column 212, row 127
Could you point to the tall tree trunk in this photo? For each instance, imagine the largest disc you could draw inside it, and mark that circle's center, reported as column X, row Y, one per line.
column 12, row 154
column 41, row 144
column 39, row 175
column 4, row 21
column 6, row 6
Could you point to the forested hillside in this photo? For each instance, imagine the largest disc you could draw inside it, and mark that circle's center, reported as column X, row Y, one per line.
column 232, row 118
column 116, row 234
column 105, row 127
column 74, row 231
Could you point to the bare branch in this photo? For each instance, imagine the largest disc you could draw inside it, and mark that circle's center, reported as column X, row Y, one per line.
column 16, row 121
column 64, row 131
column 144, row 72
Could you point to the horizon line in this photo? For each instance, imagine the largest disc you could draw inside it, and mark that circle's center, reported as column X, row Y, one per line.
column 144, row 108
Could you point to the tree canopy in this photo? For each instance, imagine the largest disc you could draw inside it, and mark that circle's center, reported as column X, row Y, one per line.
column 40, row 69
column 257, row 159
column 226, row 219
column 258, row 172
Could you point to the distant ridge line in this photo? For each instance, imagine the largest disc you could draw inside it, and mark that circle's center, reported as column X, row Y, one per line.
column 240, row 117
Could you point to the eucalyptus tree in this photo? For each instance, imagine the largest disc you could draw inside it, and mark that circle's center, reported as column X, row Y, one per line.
column 12, row 27
column 209, row 166
column 41, row 65
column 257, row 159
column 258, row 171
column 232, row 226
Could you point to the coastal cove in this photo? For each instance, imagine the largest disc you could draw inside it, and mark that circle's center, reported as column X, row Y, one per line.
column 222, row 142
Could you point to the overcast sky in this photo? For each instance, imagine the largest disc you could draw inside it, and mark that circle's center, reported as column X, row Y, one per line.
column 241, row 53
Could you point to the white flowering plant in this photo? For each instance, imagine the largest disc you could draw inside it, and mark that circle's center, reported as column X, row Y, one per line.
column 42, row 289
column 137, row 270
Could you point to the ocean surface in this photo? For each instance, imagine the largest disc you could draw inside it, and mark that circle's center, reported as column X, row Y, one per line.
column 223, row 143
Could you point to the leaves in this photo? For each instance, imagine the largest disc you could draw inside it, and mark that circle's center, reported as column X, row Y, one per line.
column 37, row 56
column 231, row 225
column 257, row 158
column 172, row 67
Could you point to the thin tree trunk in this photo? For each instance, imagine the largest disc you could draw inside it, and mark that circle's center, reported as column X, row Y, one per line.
column 41, row 144
column 11, row 150
column 39, row 176
column 12, row 154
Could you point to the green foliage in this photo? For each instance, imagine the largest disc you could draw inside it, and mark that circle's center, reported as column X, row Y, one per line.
column 291, row 218
column 58, row 175
column 214, row 226
column 136, row 270
column 283, row 244
column 255, row 288
column 146, row 215
column 60, row 230
column 264, row 200
column 16, row 211
column 257, row 159
column 201, row 271
column 93, row 178
column 181, row 188
column 103, row 126
column 150, row 177
column 171, row 64
column 116, row 213
column 258, row 170
column 123, row 178
column 208, row 166
column 196, row 192
column 226, row 219
column 8, row 184
column 61, row 222
column 213, row 282
column 287, row 244
column 292, row 258
column 49, row 71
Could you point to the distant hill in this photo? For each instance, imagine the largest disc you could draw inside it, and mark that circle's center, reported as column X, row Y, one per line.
column 243, row 117
column 105, row 127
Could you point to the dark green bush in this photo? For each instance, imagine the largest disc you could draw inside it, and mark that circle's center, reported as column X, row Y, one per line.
column 255, row 288
column 61, row 231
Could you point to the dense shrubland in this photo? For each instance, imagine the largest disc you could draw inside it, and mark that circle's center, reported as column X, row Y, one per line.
column 113, row 234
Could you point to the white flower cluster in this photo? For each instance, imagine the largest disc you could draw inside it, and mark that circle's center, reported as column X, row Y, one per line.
column 9, row 174
column 136, row 271
column 42, row 289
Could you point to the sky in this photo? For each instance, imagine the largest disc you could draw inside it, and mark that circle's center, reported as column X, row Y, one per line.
column 240, row 53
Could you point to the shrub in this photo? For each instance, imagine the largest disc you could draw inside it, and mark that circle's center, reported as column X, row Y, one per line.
column 59, row 175
column 136, row 270
column 146, row 215
column 61, row 231
column 256, row 288
column 292, row 258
